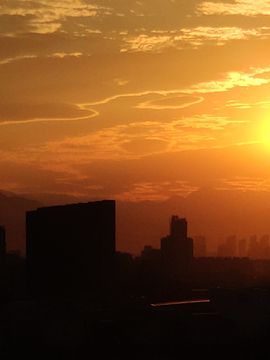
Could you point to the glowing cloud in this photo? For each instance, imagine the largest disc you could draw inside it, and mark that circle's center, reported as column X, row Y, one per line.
column 29, row 113
column 245, row 184
column 147, row 43
column 179, row 102
column 45, row 16
column 202, row 34
column 240, row 7
column 229, row 81
column 233, row 79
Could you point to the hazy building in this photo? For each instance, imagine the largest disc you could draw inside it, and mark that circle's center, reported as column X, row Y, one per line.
column 199, row 246
column 231, row 246
column 254, row 248
column 70, row 250
column 2, row 244
column 177, row 248
column 242, row 251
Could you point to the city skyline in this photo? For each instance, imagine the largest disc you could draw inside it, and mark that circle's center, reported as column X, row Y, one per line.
column 138, row 101
column 134, row 136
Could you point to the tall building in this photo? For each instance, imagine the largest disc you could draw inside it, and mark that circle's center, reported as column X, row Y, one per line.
column 70, row 250
column 177, row 248
column 2, row 244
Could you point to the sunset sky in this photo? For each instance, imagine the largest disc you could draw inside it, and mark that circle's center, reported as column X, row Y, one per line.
column 134, row 100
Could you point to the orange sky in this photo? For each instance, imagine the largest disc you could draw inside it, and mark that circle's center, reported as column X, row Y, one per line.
column 134, row 100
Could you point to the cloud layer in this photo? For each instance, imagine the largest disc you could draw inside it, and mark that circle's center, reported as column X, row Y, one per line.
column 133, row 100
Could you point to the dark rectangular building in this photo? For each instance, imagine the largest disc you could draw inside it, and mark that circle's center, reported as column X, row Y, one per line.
column 2, row 244
column 70, row 250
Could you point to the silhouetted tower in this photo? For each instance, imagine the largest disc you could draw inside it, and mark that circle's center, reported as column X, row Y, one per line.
column 178, row 228
column 2, row 244
column 177, row 248
column 70, row 250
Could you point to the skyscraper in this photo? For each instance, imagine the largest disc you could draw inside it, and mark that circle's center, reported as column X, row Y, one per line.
column 177, row 248
column 70, row 250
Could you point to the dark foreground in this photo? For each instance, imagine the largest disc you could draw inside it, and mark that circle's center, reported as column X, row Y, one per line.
column 233, row 325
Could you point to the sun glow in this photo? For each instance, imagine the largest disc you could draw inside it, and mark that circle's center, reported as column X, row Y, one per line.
column 264, row 131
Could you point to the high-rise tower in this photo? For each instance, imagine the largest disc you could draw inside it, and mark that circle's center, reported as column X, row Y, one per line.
column 177, row 248
column 70, row 250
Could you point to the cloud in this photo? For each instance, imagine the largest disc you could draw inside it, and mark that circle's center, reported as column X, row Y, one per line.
column 155, row 191
column 228, row 81
column 146, row 178
column 46, row 16
column 204, row 34
column 11, row 113
column 240, row 7
column 209, row 122
column 179, row 102
column 193, row 36
column 147, row 43
column 256, row 184
column 123, row 142
column 231, row 80
column 238, row 105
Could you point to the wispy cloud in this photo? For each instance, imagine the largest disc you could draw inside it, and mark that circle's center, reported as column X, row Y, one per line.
column 46, row 16
column 155, row 191
column 220, row 35
column 209, row 122
column 238, row 105
column 245, row 184
column 239, row 7
column 179, row 102
column 194, row 36
column 16, row 113
column 147, row 43
column 133, row 141
column 230, row 80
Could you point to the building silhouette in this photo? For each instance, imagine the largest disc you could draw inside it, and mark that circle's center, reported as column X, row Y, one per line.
column 177, row 248
column 2, row 244
column 149, row 253
column 70, row 250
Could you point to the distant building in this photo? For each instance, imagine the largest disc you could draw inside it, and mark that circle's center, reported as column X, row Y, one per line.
column 70, row 250
column 2, row 244
column 177, row 248
column 149, row 253
column 254, row 248
column 199, row 246
column 242, row 251
column 231, row 246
